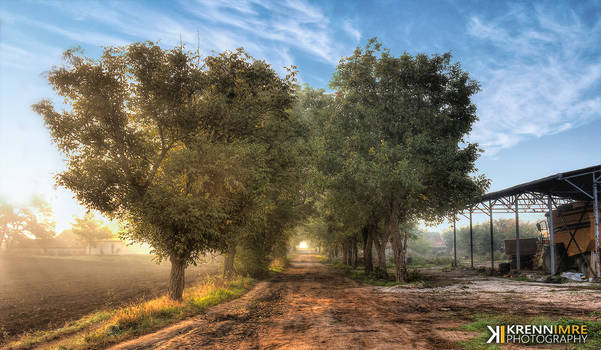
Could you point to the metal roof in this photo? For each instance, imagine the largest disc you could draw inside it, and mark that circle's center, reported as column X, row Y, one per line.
column 568, row 185
column 533, row 196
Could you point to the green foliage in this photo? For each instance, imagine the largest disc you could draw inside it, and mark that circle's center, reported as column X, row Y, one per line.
column 403, row 121
column 395, row 150
column 195, row 155
column 254, row 258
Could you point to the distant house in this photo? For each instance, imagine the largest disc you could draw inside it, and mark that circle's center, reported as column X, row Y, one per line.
column 438, row 245
column 64, row 244
column 115, row 246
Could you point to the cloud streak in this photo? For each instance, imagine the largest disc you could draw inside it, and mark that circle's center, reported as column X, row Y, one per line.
column 262, row 27
column 275, row 31
column 541, row 82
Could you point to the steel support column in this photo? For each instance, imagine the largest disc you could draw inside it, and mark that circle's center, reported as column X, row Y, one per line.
column 551, row 233
column 596, row 208
column 517, row 234
column 492, row 241
column 471, row 241
column 455, row 240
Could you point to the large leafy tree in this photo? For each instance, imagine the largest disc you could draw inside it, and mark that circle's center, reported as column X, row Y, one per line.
column 345, row 212
column 250, row 104
column 403, row 122
column 168, row 142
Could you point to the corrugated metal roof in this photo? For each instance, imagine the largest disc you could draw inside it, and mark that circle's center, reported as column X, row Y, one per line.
column 555, row 185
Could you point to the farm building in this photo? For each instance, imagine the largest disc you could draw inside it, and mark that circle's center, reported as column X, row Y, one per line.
column 570, row 235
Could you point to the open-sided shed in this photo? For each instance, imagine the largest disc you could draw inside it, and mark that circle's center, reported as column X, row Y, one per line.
column 540, row 196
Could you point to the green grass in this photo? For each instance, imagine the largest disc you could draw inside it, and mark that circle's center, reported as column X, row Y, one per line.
column 359, row 275
column 418, row 262
column 107, row 327
column 279, row 264
column 522, row 279
column 480, row 321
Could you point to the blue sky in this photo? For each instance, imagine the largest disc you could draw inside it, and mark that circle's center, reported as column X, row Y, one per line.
column 539, row 64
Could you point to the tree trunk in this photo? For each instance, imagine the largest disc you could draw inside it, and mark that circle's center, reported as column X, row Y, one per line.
column 228, row 264
column 89, row 249
column 176, row 278
column 399, row 247
column 380, row 244
column 345, row 255
column 352, row 253
column 399, row 244
column 367, row 250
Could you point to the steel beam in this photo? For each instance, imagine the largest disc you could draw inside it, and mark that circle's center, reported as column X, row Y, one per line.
column 517, row 235
column 471, row 241
column 455, row 239
column 596, row 209
column 492, row 242
column 551, row 234
column 529, row 202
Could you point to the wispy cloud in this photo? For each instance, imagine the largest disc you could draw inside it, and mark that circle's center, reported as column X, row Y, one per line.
column 353, row 32
column 294, row 24
column 28, row 57
column 544, row 79
column 277, row 31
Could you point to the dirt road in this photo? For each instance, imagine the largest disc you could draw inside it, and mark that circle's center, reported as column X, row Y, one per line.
column 311, row 306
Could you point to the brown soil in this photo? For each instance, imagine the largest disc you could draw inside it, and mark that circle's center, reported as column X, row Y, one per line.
column 311, row 306
column 45, row 292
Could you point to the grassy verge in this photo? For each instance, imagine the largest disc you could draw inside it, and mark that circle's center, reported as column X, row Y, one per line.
column 279, row 264
column 480, row 321
column 414, row 277
column 358, row 274
column 107, row 327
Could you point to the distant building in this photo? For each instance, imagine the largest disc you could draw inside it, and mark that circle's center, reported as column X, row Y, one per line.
column 438, row 245
column 68, row 244
column 115, row 246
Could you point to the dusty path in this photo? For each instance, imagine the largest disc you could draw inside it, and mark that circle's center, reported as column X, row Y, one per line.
column 311, row 306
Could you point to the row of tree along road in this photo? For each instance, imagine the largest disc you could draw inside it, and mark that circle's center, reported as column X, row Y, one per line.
column 221, row 154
